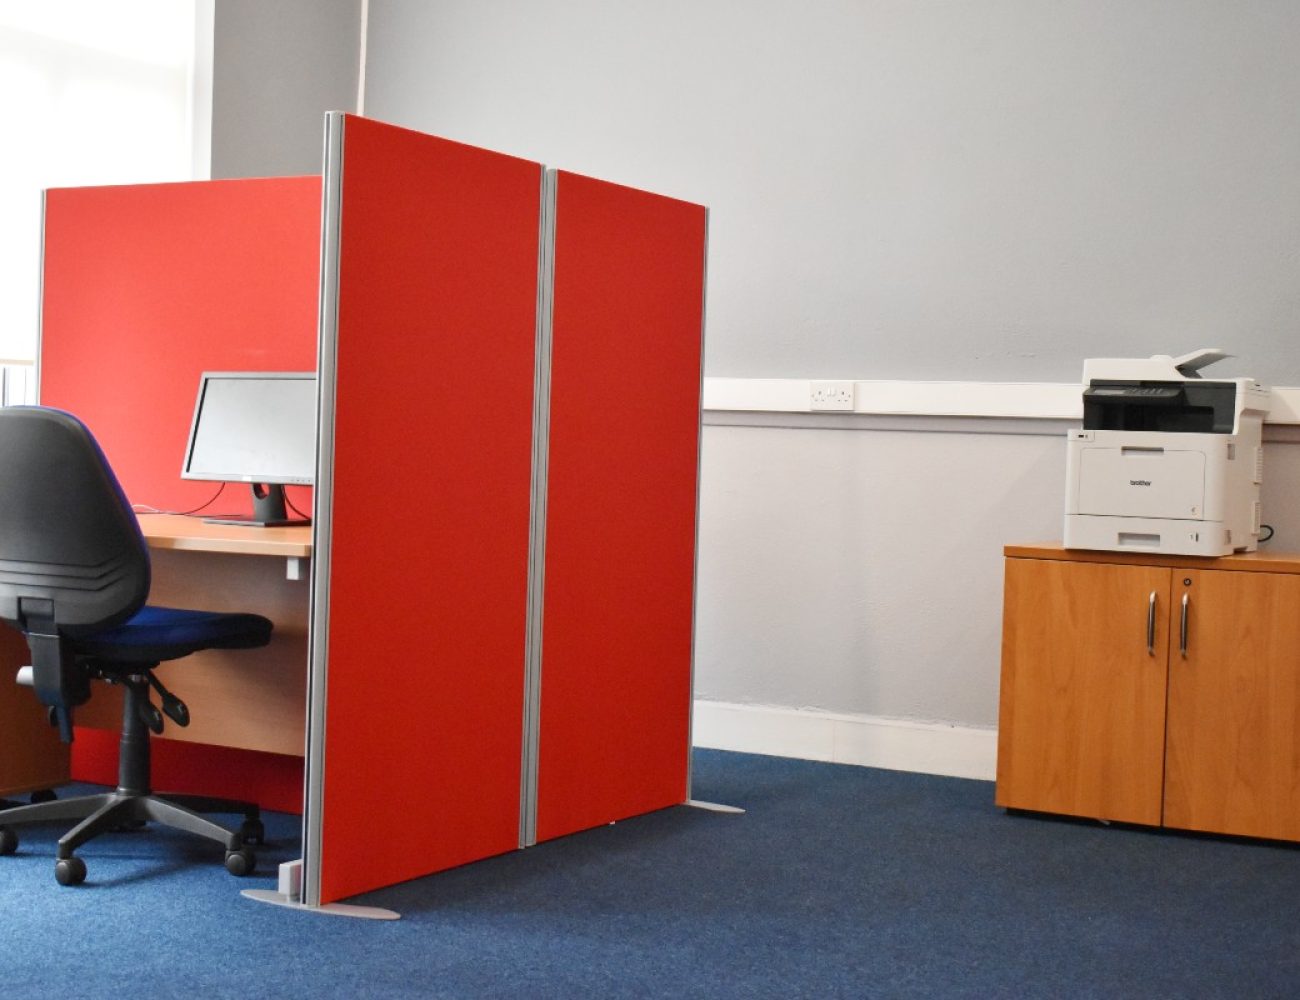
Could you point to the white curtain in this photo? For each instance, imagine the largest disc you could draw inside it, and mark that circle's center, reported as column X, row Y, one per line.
column 94, row 92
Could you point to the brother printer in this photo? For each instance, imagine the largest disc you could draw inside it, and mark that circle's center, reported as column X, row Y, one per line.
column 1166, row 461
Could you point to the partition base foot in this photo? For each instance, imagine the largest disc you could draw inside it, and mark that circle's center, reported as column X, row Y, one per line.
column 713, row 806
column 329, row 909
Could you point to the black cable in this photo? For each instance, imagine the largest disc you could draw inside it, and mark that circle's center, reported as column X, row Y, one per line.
column 1265, row 538
column 305, row 517
column 204, row 506
column 181, row 513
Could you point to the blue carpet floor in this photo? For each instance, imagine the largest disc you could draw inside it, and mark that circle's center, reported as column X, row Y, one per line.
column 838, row 882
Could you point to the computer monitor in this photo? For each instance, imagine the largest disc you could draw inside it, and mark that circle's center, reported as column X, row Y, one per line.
column 257, row 428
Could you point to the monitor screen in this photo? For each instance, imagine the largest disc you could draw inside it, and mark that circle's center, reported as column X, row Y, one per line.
column 253, row 427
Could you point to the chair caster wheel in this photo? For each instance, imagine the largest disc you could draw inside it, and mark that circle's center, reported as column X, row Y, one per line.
column 240, row 862
column 43, row 795
column 251, row 831
column 70, row 871
column 8, row 841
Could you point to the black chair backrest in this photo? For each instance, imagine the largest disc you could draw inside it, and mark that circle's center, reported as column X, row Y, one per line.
column 69, row 541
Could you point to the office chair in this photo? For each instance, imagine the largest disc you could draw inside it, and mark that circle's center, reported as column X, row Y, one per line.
column 74, row 576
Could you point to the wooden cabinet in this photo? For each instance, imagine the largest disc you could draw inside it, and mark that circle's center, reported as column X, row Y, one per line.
column 1154, row 690
column 31, row 756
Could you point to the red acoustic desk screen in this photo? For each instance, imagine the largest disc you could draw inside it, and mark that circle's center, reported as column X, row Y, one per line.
column 144, row 287
column 147, row 286
column 620, row 528
column 428, row 567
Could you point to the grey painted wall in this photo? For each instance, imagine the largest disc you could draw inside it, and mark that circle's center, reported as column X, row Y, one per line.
column 277, row 68
column 913, row 188
column 860, row 571
column 910, row 189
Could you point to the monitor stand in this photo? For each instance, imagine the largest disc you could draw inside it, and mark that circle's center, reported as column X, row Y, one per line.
column 269, row 510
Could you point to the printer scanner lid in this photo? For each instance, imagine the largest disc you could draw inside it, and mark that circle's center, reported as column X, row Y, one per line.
column 1157, row 368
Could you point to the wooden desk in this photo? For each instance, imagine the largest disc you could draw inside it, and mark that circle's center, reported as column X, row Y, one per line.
column 191, row 534
column 253, row 699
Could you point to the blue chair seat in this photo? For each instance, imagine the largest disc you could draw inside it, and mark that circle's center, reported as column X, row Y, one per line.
column 154, row 634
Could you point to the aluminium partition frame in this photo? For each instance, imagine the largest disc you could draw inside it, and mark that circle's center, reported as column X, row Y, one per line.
column 537, row 522
column 322, row 520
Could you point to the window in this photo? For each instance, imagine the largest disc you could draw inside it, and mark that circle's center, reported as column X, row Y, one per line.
column 95, row 93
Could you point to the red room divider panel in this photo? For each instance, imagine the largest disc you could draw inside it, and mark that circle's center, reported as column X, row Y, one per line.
column 620, row 514
column 144, row 287
column 422, row 561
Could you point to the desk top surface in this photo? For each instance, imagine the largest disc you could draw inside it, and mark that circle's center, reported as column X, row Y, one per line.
column 174, row 531
column 1262, row 561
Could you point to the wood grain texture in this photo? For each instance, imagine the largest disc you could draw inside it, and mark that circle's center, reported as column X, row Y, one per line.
column 1245, row 562
column 33, row 757
column 254, row 699
column 1081, row 725
column 1233, row 762
column 172, row 531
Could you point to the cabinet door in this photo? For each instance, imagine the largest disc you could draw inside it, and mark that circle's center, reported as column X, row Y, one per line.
column 1233, row 762
column 1082, row 716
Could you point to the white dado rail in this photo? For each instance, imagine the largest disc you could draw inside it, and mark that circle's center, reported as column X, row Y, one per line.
column 1025, row 400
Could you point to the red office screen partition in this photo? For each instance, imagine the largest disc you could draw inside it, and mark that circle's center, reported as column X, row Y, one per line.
column 427, row 577
column 422, row 586
column 620, row 529
column 144, row 287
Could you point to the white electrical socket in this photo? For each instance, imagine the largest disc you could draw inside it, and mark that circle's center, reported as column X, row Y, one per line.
column 830, row 395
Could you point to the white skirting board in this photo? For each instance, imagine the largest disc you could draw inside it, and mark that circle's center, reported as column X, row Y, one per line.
column 893, row 744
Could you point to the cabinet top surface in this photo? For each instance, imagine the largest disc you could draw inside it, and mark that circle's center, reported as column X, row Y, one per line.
column 1259, row 562
column 173, row 531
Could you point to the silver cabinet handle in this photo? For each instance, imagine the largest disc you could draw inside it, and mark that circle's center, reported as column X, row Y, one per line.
column 1151, row 625
column 1182, row 627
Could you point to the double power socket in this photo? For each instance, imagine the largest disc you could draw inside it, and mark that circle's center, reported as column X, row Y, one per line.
column 830, row 396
